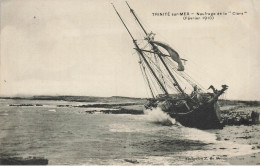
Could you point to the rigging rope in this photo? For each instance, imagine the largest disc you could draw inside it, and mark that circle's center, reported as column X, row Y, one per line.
column 181, row 74
column 166, row 75
column 145, row 76
column 154, row 85
column 186, row 76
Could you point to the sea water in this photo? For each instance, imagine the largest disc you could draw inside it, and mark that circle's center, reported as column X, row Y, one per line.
column 69, row 135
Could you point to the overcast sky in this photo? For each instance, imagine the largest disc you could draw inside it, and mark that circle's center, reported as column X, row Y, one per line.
column 80, row 47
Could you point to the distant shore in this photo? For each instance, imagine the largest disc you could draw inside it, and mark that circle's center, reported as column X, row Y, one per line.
column 74, row 98
column 118, row 98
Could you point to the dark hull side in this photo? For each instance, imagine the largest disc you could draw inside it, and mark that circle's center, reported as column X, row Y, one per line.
column 204, row 117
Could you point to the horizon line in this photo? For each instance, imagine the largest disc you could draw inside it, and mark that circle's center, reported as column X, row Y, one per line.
column 58, row 95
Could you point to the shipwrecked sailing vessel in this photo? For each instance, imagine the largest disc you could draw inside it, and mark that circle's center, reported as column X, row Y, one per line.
column 163, row 71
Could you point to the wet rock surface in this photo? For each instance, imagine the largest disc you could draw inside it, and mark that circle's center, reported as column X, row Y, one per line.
column 9, row 160
column 240, row 115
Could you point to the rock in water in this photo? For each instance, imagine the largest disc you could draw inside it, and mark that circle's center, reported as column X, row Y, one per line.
column 23, row 161
column 255, row 117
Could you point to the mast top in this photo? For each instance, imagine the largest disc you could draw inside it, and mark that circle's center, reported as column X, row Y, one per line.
column 123, row 22
column 132, row 11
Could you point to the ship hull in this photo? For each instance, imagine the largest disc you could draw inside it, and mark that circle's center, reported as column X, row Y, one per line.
column 204, row 117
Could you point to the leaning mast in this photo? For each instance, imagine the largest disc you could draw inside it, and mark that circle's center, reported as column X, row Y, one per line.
column 158, row 52
column 142, row 55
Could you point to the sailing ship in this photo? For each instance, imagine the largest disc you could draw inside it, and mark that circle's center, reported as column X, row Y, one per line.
column 164, row 73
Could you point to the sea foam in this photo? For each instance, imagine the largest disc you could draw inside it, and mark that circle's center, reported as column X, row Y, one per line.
column 156, row 115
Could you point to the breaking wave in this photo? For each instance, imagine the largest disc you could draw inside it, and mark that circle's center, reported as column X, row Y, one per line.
column 156, row 115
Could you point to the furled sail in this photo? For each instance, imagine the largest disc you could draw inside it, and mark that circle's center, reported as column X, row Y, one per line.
column 174, row 55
